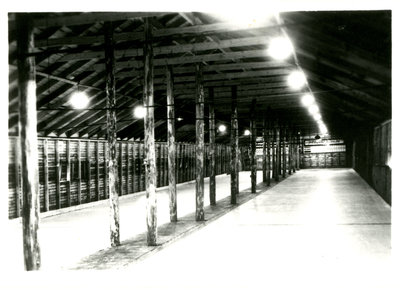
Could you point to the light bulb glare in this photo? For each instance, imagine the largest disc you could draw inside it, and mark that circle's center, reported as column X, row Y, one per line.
column 280, row 48
column 296, row 80
column 79, row 100
column 139, row 112
column 222, row 128
column 307, row 100
column 247, row 132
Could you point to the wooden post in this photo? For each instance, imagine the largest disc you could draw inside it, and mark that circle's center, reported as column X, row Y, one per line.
column 46, row 175
column 273, row 150
column 173, row 216
column 253, row 131
column 127, row 166
column 284, row 165
column 212, row 146
column 28, row 139
column 120, row 168
column 111, row 134
column 68, row 152
column 199, row 144
column 105, row 169
column 234, row 146
column 149, row 145
column 264, row 155
column 97, row 173
column 79, row 174
column 289, row 138
column 17, row 164
column 139, row 166
column 58, row 174
column 89, row 173
column 278, row 154
column 268, row 153
column 133, row 166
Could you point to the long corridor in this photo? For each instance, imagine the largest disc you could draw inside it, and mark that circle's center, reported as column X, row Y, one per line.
column 324, row 234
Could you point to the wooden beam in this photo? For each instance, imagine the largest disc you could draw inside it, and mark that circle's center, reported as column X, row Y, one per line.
column 253, row 132
column 199, row 144
column 149, row 146
column 89, row 173
column 175, row 49
column 92, row 17
column 234, row 147
column 278, row 153
column 273, row 146
column 105, row 169
column 268, row 137
column 171, row 146
column 111, row 135
column 205, row 29
column 28, row 140
column 212, row 146
column 97, row 171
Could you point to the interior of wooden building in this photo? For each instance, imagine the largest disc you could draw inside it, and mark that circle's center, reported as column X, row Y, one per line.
column 104, row 105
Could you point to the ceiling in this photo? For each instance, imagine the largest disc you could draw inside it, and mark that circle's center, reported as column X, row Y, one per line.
column 346, row 57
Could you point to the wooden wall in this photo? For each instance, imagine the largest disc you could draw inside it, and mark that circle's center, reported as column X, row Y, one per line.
column 381, row 172
column 75, row 177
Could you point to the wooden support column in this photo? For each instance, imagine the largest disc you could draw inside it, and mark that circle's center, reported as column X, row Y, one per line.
column 79, row 174
column 264, row 155
column 290, row 152
column 268, row 136
column 149, row 145
column 28, row 140
column 173, row 215
column 133, row 167
column 199, row 144
column 97, row 172
column 68, row 183
column 234, row 146
column 89, row 173
column 121, row 145
column 105, row 169
column 273, row 145
column 46, row 175
column 253, row 132
column 212, row 146
column 111, row 134
column 284, row 164
column 127, row 166
column 278, row 154
column 58, row 173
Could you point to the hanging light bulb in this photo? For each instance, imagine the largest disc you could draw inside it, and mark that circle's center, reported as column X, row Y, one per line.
column 222, row 128
column 247, row 132
column 139, row 112
column 280, row 48
column 313, row 109
column 307, row 99
column 317, row 116
column 79, row 100
column 296, row 80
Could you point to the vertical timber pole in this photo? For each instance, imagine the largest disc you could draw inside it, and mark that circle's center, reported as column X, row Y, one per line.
column 199, row 144
column 234, row 146
column 28, row 139
column 212, row 146
column 268, row 136
column 111, row 135
column 284, row 165
column 278, row 154
column 171, row 146
column 253, row 130
column 264, row 155
column 149, row 145
column 290, row 152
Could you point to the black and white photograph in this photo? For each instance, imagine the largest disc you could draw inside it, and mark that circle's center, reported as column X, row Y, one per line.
column 209, row 151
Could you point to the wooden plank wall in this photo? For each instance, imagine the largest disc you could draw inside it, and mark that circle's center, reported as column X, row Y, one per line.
column 382, row 152
column 93, row 186
column 323, row 160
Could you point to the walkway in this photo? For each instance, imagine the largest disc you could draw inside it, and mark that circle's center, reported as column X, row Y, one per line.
column 319, row 234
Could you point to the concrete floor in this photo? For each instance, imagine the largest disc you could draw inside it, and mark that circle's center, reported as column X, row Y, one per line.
column 319, row 234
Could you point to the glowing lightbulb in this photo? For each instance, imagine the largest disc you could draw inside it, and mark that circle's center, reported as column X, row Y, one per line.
column 323, row 129
column 317, row 116
column 247, row 132
column 280, row 48
column 296, row 80
column 313, row 109
column 79, row 100
column 307, row 99
column 222, row 128
column 139, row 112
